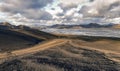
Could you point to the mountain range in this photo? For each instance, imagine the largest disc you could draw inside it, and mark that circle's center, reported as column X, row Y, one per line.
column 90, row 25
column 61, row 26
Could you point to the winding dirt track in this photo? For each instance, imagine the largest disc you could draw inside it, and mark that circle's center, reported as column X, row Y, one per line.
column 50, row 44
column 39, row 47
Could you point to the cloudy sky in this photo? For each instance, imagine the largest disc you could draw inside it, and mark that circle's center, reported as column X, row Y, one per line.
column 47, row 12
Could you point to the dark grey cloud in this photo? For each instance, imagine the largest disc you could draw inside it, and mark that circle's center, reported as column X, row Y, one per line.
column 114, row 5
column 60, row 14
column 29, row 3
column 69, row 4
column 28, row 8
column 37, row 14
column 112, row 14
column 91, row 0
column 101, row 10
column 67, row 7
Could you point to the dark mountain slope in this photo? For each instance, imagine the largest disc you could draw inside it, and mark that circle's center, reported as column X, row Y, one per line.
column 19, row 37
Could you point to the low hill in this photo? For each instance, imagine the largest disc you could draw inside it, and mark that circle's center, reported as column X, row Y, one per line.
column 20, row 37
column 26, row 30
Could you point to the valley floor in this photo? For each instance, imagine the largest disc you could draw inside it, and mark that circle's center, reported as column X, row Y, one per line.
column 64, row 55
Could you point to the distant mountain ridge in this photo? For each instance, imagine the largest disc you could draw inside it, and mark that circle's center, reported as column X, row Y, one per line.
column 90, row 25
column 6, row 25
column 95, row 25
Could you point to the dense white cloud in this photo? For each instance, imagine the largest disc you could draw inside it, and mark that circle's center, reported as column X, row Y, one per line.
column 59, row 11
